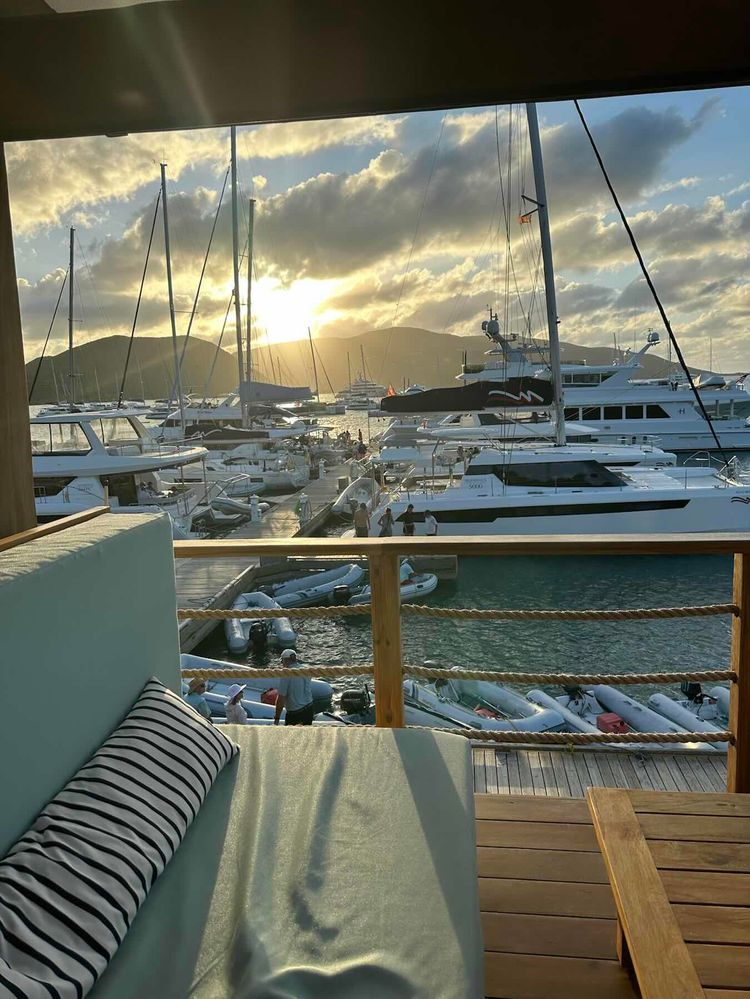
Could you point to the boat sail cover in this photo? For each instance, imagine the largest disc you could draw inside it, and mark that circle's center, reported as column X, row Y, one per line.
column 255, row 391
column 514, row 393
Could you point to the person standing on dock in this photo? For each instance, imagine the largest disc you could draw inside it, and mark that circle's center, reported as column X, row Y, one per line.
column 386, row 523
column 236, row 714
column 407, row 519
column 362, row 522
column 195, row 698
column 430, row 525
column 295, row 694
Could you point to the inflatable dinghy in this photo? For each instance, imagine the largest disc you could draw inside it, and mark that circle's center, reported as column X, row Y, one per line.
column 240, row 631
column 331, row 586
column 414, row 586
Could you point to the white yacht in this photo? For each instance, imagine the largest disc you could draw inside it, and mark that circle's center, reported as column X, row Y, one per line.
column 617, row 405
column 361, row 394
column 248, row 469
column 219, row 424
column 575, row 489
column 86, row 459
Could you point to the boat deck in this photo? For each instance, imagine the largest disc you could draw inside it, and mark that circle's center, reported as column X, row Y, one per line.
column 213, row 583
column 548, row 916
column 565, row 773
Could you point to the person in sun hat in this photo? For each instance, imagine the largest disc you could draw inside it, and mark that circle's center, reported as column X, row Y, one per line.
column 295, row 694
column 195, row 698
column 236, row 714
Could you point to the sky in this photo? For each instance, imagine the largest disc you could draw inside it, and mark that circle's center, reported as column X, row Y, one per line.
column 405, row 220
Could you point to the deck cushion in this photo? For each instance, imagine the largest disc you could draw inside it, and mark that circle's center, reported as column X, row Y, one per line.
column 326, row 862
column 70, row 888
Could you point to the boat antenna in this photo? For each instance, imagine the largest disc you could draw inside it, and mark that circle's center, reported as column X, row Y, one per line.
column 49, row 334
column 138, row 302
column 315, row 368
column 549, row 271
column 236, row 272
column 649, row 282
column 71, row 285
column 170, row 292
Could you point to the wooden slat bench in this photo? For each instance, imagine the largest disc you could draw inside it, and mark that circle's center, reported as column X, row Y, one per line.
column 679, row 869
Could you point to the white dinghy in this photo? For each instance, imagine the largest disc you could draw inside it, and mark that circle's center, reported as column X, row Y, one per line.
column 330, row 586
column 414, row 586
column 441, row 698
column 241, row 631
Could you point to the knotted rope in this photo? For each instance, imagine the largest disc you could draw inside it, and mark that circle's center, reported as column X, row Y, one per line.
column 583, row 738
column 567, row 679
column 464, row 613
column 253, row 671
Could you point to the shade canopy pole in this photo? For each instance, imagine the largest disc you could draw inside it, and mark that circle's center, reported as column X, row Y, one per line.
column 17, row 495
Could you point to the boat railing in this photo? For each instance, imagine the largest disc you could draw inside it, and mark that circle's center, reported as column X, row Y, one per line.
column 386, row 611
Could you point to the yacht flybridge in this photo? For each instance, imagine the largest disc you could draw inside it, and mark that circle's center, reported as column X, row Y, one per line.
column 576, row 489
column 86, row 459
column 614, row 403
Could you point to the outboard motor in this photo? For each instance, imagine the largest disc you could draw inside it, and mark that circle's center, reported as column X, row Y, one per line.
column 340, row 594
column 258, row 633
column 355, row 700
column 692, row 691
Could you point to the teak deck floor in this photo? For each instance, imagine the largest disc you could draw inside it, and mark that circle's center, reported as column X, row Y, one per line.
column 548, row 917
column 561, row 773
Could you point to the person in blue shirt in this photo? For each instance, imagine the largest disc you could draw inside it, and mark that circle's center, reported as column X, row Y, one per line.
column 295, row 694
column 195, row 698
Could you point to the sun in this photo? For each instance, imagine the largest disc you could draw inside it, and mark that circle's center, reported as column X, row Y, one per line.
column 282, row 313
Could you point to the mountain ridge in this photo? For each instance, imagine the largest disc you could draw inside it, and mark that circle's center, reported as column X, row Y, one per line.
column 395, row 356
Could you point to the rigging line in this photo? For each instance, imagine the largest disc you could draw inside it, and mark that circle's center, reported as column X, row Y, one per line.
column 317, row 351
column 506, row 217
column 649, row 282
column 99, row 306
column 198, row 288
column 216, row 352
column 414, row 239
column 49, row 333
column 138, row 301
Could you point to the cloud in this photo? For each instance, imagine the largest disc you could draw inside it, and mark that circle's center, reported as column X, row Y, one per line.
column 51, row 178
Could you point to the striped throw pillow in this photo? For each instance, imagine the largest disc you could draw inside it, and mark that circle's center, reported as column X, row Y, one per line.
column 71, row 887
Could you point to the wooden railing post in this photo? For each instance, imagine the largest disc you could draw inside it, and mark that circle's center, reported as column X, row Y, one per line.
column 385, row 587
column 738, row 757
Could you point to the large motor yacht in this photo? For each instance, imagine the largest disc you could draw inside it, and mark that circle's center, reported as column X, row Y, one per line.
column 94, row 458
column 615, row 404
column 576, row 489
column 219, row 424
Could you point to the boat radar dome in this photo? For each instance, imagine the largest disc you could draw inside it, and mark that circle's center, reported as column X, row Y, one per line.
column 491, row 327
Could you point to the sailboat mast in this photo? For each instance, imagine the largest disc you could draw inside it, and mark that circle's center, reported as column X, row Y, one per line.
column 549, row 271
column 315, row 369
column 236, row 271
column 98, row 390
column 362, row 355
column 248, row 333
column 71, row 286
column 170, row 292
column 349, row 368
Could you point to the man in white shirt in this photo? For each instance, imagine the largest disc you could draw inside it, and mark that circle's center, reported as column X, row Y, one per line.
column 295, row 694
column 430, row 524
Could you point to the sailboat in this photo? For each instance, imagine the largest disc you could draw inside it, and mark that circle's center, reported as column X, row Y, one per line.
column 562, row 488
column 236, row 410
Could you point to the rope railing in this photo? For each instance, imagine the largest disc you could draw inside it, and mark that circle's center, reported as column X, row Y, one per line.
column 465, row 613
column 493, row 676
column 569, row 679
column 584, row 738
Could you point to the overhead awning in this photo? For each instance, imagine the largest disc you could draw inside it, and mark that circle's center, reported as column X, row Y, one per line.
column 193, row 63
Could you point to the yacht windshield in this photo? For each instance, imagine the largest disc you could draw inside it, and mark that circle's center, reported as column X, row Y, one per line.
column 558, row 474
column 58, row 438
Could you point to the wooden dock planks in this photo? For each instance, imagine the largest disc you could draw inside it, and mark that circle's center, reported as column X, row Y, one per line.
column 548, row 917
column 562, row 773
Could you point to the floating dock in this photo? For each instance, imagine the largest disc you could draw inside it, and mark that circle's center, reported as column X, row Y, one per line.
column 212, row 584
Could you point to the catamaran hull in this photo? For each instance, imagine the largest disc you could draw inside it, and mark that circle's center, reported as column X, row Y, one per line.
column 625, row 515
